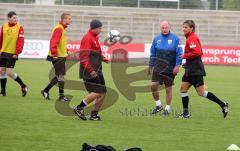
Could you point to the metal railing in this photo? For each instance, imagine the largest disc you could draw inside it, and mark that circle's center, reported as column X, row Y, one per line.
column 174, row 4
column 142, row 27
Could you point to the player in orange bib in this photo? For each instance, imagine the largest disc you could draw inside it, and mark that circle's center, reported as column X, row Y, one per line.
column 11, row 45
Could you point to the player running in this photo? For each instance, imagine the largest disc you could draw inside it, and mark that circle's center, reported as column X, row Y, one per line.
column 194, row 71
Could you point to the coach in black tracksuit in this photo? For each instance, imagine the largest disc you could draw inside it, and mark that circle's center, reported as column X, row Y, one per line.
column 194, row 71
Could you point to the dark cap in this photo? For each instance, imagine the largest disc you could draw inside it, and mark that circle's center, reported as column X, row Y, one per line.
column 95, row 24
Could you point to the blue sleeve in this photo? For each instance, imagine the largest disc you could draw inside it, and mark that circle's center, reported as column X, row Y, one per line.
column 179, row 52
column 152, row 54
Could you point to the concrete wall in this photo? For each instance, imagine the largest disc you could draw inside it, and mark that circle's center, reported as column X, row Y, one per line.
column 213, row 27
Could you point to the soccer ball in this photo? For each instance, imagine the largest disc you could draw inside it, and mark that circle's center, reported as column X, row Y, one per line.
column 114, row 35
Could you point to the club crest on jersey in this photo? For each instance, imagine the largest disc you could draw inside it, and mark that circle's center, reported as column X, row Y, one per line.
column 170, row 42
column 193, row 45
column 9, row 31
column 158, row 42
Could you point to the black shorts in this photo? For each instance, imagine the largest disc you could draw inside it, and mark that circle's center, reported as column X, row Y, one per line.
column 96, row 85
column 196, row 81
column 59, row 65
column 7, row 60
column 163, row 78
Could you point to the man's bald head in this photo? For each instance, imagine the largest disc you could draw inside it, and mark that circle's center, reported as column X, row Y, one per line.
column 165, row 27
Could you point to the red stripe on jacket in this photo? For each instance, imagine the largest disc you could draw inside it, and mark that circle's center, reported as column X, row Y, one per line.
column 20, row 41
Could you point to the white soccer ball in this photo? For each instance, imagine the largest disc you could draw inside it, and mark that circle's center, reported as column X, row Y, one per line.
column 114, row 35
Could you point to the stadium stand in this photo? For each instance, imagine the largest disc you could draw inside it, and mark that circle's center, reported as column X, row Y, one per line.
column 213, row 27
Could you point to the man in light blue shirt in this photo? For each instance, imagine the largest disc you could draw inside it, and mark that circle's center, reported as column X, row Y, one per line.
column 165, row 60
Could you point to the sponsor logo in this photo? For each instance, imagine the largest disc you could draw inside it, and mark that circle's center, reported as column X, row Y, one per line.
column 193, row 45
column 33, row 45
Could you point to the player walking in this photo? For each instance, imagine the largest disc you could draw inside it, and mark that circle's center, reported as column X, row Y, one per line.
column 11, row 45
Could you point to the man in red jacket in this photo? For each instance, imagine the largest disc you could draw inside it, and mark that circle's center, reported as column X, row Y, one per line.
column 91, row 71
column 11, row 45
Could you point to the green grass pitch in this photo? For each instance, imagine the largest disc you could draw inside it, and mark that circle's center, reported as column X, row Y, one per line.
column 33, row 124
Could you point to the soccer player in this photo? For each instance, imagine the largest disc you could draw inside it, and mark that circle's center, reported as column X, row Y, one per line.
column 57, row 55
column 91, row 71
column 11, row 45
column 194, row 71
column 165, row 48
